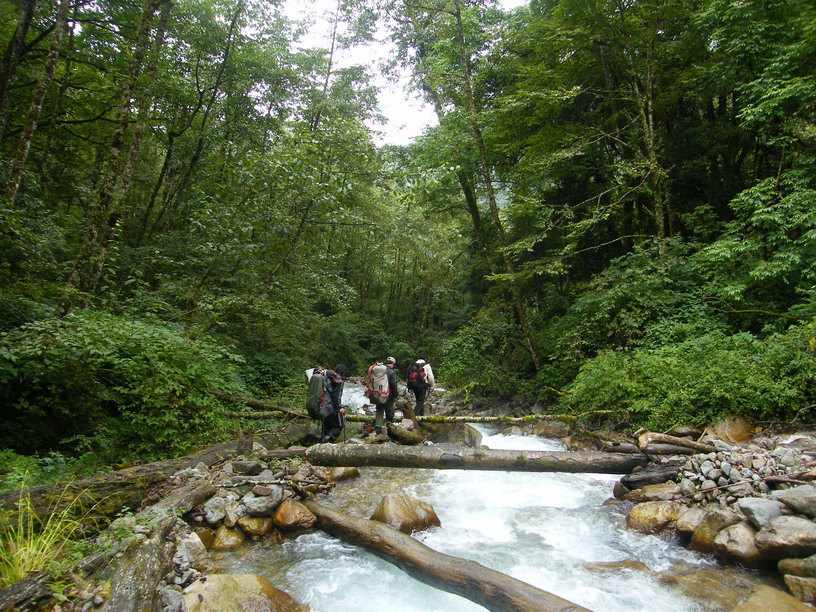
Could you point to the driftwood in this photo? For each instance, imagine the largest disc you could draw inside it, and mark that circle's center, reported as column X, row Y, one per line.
column 437, row 457
column 469, row 579
column 666, row 449
column 651, row 437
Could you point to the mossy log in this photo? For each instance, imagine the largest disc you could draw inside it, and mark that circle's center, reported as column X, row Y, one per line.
column 469, row 579
column 106, row 494
column 437, row 457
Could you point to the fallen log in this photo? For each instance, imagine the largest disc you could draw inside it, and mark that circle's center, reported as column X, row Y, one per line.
column 433, row 418
column 106, row 494
column 666, row 449
column 651, row 437
column 469, row 579
column 464, row 458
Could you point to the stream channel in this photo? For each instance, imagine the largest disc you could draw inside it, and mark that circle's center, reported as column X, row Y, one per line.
column 541, row 528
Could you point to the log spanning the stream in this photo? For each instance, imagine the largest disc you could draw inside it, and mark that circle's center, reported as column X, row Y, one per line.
column 469, row 579
column 464, row 458
column 364, row 418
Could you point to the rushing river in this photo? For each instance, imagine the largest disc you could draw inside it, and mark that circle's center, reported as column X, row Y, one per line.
column 540, row 528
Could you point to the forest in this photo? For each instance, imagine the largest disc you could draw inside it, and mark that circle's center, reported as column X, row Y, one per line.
column 615, row 212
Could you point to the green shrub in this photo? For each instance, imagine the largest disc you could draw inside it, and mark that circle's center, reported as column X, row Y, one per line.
column 136, row 388
column 700, row 380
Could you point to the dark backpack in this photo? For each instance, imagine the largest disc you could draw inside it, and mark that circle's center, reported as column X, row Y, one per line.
column 415, row 375
column 318, row 400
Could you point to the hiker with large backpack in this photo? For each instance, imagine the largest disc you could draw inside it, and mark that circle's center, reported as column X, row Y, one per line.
column 323, row 400
column 381, row 390
column 420, row 378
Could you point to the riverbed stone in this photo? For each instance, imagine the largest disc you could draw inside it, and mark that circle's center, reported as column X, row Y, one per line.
column 655, row 492
column 192, row 546
column 234, row 511
column 732, row 429
column 264, row 505
column 759, row 510
column 551, row 429
column 763, row 598
column 226, row 538
column 249, row 468
column 617, row 566
column 256, row 526
column 215, row 509
column 803, row 589
column 799, row 567
column 702, row 540
column 238, row 592
column 653, row 516
column 291, row 515
column 690, row 519
column 338, row 474
column 787, row 536
column 405, row 513
column 801, row 499
column 737, row 543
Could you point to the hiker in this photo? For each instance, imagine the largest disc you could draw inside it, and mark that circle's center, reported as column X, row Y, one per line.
column 378, row 391
column 420, row 378
column 334, row 423
column 388, row 407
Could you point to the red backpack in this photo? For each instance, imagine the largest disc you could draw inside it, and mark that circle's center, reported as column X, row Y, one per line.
column 415, row 375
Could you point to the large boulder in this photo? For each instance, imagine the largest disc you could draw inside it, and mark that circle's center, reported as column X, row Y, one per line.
column 702, row 540
column 405, row 513
column 800, row 499
column 732, row 429
column 760, row 511
column 291, row 515
column 787, row 536
column 256, row 526
column 690, row 519
column 263, row 505
column 654, row 516
column 803, row 589
column 763, row 598
column 737, row 543
column 551, row 429
column 239, row 592
column 799, row 567
column 226, row 538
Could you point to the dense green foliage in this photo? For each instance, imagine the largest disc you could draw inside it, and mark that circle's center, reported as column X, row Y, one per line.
column 616, row 210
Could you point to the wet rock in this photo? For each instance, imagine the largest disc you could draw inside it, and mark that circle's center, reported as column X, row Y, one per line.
column 292, row 515
column 737, row 543
column 226, row 538
column 763, row 598
column 759, row 510
column 619, row 490
column 799, row 567
column 192, row 547
column 801, row 499
column 714, row 521
column 249, row 468
column 787, row 536
column 256, row 526
column 617, row 566
column 690, row 519
column 551, row 429
column 405, row 513
column 338, row 474
column 714, row 589
column 803, row 589
column 238, row 592
column 654, row 516
column 658, row 492
column 206, row 535
column 264, row 505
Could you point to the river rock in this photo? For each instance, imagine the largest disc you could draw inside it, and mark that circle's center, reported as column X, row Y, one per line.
column 256, row 526
column 760, row 511
column 249, row 468
column 737, row 543
column 732, row 430
column 551, row 429
column 192, row 546
column 617, row 566
column 763, row 598
column 238, row 592
column 405, row 513
column 690, row 519
column 215, row 509
column 654, row 516
column 226, row 538
column 787, row 536
column 800, row 499
column 234, row 510
column 291, row 515
column 664, row 491
column 685, row 431
column 264, row 505
column 338, row 474
column 803, row 589
column 702, row 540
column 714, row 589
column 799, row 567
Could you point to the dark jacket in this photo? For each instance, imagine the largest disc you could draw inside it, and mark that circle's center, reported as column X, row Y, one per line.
column 392, row 383
column 334, row 385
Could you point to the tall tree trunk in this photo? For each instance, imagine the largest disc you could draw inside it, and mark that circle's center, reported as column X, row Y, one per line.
column 518, row 302
column 11, row 58
column 102, row 220
column 37, row 102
